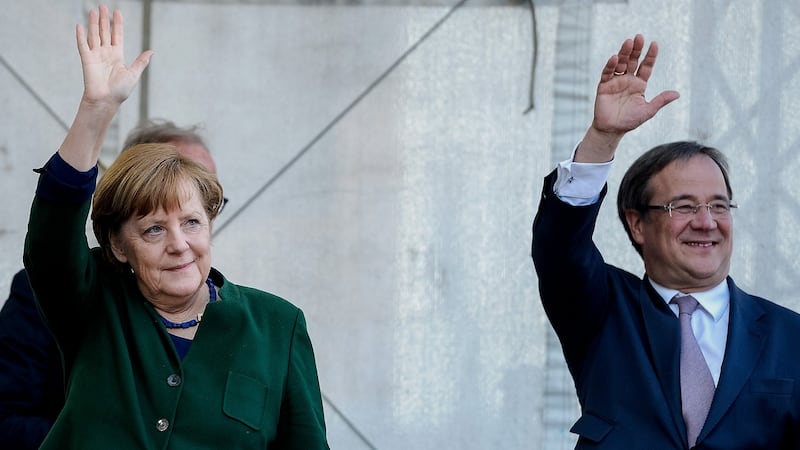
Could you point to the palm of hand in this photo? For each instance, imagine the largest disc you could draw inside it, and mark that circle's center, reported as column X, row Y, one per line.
column 620, row 105
column 106, row 78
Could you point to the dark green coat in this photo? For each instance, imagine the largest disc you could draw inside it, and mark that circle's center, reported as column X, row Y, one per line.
column 249, row 380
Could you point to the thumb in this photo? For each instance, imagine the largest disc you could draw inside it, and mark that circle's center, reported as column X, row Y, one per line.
column 663, row 99
column 140, row 63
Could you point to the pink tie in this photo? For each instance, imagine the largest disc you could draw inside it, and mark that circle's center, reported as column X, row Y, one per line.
column 697, row 385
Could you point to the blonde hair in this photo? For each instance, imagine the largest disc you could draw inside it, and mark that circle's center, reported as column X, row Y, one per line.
column 143, row 179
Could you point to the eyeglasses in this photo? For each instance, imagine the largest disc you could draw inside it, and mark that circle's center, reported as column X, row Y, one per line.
column 718, row 209
column 222, row 206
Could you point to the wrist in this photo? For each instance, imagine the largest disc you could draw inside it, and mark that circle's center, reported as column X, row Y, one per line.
column 597, row 146
column 98, row 107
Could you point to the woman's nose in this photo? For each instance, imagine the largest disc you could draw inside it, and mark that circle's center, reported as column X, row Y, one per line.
column 177, row 241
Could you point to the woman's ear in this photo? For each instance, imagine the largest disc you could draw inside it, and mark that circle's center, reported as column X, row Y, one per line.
column 117, row 248
column 635, row 221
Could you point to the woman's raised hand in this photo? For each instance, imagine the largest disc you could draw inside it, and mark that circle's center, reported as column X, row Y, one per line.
column 106, row 78
column 107, row 82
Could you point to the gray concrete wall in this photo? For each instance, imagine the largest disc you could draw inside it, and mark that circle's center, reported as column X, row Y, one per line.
column 383, row 176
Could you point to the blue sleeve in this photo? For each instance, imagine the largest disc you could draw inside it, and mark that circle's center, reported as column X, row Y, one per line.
column 572, row 275
column 61, row 182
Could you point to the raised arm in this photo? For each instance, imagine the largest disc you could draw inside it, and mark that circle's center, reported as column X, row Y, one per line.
column 573, row 277
column 60, row 269
column 620, row 105
column 107, row 82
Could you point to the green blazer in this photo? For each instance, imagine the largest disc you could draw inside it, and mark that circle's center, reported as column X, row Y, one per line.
column 248, row 381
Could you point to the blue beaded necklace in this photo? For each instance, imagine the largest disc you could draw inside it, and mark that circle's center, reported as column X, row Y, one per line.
column 192, row 323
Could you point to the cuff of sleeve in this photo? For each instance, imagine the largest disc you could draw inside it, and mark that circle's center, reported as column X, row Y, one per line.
column 58, row 181
column 580, row 184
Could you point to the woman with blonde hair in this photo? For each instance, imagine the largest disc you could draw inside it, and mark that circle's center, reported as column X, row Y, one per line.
column 160, row 349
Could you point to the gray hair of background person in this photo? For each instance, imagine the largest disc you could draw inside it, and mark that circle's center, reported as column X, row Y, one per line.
column 163, row 131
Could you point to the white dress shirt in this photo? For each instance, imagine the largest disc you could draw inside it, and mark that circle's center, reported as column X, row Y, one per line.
column 709, row 321
column 579, row 184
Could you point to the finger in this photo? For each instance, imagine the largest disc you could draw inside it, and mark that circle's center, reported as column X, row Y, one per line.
column 623, row 56
column 117, row 30
column 105, row 26
column 646, row 68
column 93, row 34
column 609, row 69
column 80, row 36
column 633, row 59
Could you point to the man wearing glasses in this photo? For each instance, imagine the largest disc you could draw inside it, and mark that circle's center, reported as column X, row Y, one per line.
column 31, row 374
column 681, row 358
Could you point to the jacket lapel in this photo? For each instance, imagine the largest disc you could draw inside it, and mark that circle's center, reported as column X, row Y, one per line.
column 746, row 338
column 663, row 339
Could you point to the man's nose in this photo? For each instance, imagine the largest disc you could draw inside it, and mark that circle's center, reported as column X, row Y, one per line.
column 703, row 217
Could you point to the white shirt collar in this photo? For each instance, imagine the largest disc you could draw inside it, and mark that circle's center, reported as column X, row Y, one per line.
column 714, row 301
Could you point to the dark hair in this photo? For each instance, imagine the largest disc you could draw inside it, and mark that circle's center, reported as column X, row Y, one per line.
column 635, row 191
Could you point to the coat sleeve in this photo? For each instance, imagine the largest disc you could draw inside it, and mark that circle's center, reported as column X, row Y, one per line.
column 57, row 256
column 302, row 422
column 573, row 282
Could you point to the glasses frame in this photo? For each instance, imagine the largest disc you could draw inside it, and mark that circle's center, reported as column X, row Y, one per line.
column 669, row 208
column 225, row 201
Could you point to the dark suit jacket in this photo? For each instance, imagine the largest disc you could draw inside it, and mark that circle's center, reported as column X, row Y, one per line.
column 31, row 377
column 621, row 343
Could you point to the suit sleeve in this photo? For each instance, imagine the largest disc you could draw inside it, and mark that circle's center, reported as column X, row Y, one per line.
column 31, row 379
column 302, row 422
column 573, row 282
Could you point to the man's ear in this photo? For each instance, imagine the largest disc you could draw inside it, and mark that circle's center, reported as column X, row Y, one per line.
column 635, row 221
column 117, row 248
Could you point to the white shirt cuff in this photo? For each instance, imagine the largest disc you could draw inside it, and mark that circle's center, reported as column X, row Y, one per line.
column 579, row 184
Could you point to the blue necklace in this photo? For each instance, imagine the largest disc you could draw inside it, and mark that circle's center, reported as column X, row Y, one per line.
column 192, row 323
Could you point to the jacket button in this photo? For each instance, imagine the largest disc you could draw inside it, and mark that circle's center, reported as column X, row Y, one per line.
column 173, row 380
column 162, row 424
